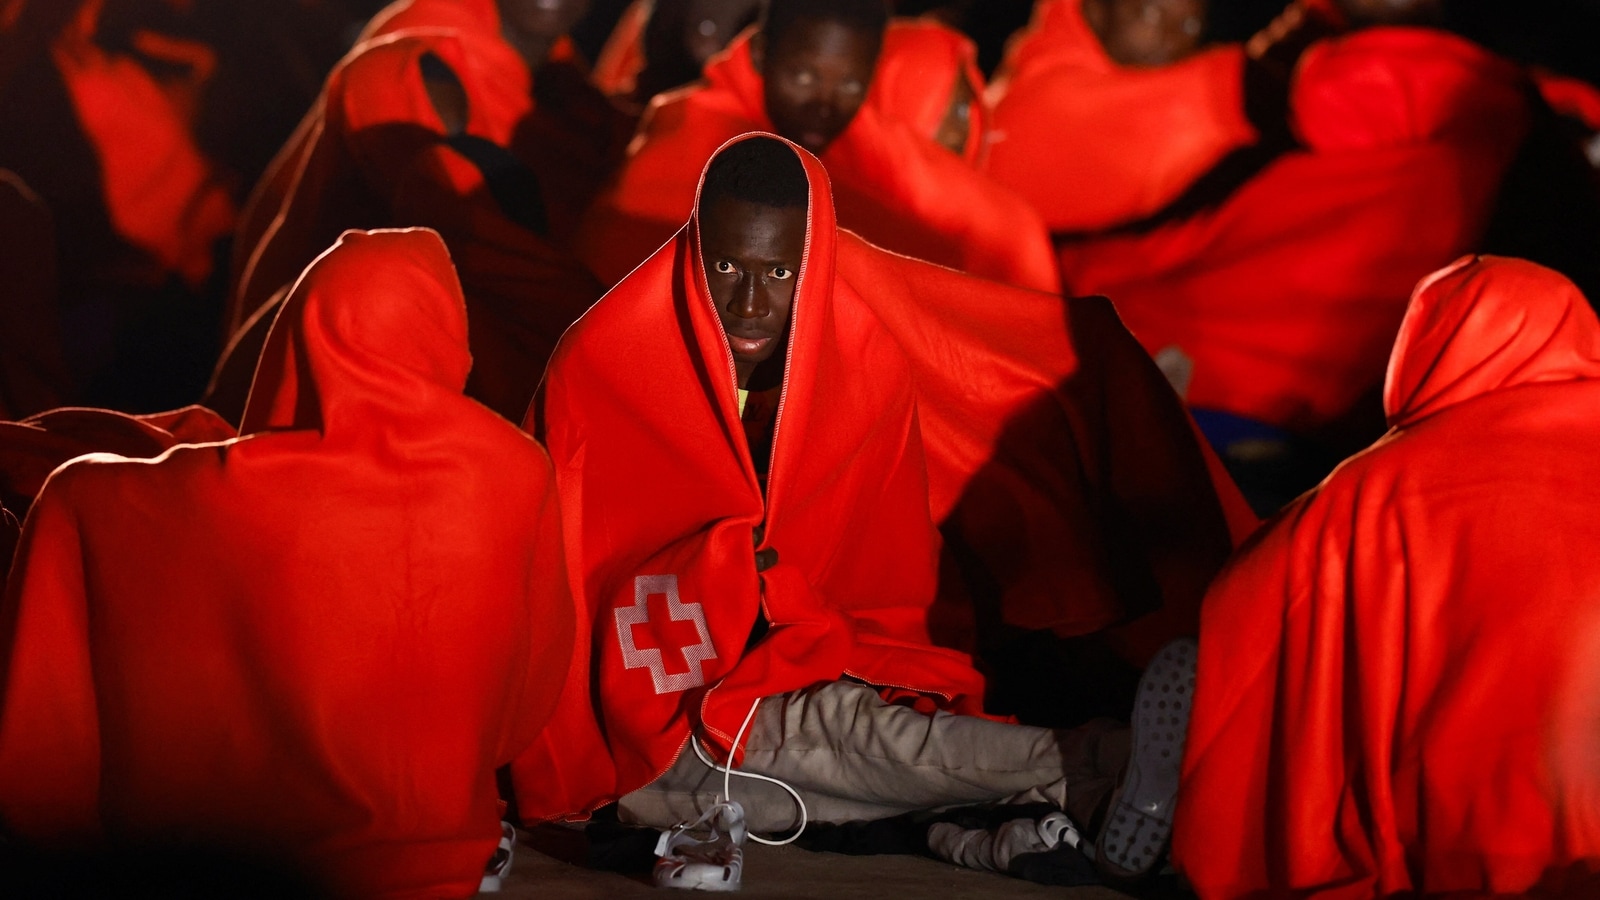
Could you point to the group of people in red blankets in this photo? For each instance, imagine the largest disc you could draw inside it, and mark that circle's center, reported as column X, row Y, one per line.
column 777, row 394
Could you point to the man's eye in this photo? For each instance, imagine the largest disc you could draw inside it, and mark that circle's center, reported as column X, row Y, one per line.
column 853, row 88
column 724, row 267
column 804, row 79
column 781, row 273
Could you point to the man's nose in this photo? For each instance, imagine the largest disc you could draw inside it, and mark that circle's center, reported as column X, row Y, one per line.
column 749, row 301
column 826, row 109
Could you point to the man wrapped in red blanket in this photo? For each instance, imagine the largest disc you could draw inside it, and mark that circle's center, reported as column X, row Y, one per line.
column 768, row 440
column 1399, row 685
column 1286, row 297
column 1102, row 118
column 315, row 643
column 434, row 121
column 807, row 75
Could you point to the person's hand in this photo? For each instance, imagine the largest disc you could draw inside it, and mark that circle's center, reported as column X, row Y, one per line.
column 765, row 559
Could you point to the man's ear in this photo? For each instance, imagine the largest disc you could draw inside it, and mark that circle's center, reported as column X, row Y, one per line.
column 758, row 50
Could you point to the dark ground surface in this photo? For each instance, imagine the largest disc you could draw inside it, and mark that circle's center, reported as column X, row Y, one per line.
column 547, row 866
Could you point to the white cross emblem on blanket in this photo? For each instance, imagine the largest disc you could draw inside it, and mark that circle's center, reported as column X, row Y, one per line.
column 694, row 654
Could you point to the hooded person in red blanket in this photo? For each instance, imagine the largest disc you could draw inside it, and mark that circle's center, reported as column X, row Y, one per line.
column 315, row 643
column 807, row 75
column 574, row 136
column 797, row 402
column 659, row 45
column 435, row 121
column 1398, row 679
column 918, row 56
column 1283, row 300
column 1106, row 111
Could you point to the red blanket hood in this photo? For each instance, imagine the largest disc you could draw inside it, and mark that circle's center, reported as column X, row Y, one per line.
column 915, row 397
column 396, row 618
column 1398, row 680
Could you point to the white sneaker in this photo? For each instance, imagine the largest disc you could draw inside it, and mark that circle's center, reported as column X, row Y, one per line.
column 1133, row 840
column 500, row 864
column 713, row 864
column 993, row 850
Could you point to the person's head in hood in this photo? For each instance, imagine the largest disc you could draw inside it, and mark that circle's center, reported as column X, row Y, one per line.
column 816, row 59
column 534, row 26
column 753, row 218
column 1147, row 32
column 682, row 34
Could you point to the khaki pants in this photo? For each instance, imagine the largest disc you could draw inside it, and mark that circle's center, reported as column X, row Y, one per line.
column 853, row 757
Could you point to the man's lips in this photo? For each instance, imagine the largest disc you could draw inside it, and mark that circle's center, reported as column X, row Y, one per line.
column 813, row 138
column 749, row 346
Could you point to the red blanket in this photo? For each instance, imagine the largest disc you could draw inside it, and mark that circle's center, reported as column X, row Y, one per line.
column 396, row 615
column 662, row 499
column 163, row 195
column 1057, row 453
column 557, row 121
column 1092, row 144
column 1398, row 681
column 377, row 157
column 1287, row 296
column 32, row 448
column 894, row 186
column 915, row 397
column 616, row 70
column 1572, row 97
column 920, row 73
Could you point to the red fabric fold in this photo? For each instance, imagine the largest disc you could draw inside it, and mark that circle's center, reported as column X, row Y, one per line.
column 1093, row 144
column 918, row 70
column 894, row 186
column 616, row 70
column 1571, row 97
column 1286, row 297
column 1057, row 452
column 396, row 620
column 163, row 195
column 1397, row 685
column 554, row 118
column 376, row 156
column 34, row 447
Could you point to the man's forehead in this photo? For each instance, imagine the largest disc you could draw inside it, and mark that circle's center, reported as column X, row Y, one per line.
column 813, row 35
column 725, row 216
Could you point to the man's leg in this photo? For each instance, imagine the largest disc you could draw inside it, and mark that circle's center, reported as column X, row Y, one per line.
column 853, row 757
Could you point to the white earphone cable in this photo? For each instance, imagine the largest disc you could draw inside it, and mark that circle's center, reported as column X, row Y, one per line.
column 728, row 773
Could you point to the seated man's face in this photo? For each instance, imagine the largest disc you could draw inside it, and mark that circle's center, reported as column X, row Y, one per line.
column 1147, row 32
column 816, row 77
column 542, row 19
column 752, row 255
